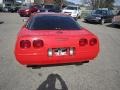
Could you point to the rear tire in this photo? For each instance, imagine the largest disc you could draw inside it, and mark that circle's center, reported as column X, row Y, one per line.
column 21, row 15
column 86, row 21
column 79, row 17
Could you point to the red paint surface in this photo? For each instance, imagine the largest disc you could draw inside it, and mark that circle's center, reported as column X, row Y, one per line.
column 53, row 39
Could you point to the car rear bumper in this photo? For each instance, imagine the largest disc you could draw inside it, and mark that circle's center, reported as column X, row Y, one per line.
column 44, row 59
column 24, row 13
column 72, row 15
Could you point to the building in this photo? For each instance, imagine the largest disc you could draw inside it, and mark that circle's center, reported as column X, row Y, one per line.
column 11, row 2
column 42, row 1
column 48, row 1
column 6, row 2
column 29, row 1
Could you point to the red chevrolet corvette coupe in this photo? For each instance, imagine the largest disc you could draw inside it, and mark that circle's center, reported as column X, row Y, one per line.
column 50, row 38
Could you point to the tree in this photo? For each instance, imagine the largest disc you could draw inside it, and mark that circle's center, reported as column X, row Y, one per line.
column 101, row 3
column 38, row 1
column 109, row 3
column 56, row 2
column 59, row 3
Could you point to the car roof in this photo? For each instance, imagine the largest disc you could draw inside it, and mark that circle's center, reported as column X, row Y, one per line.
column 105, row 9
column 72, row 6
column 50, row 13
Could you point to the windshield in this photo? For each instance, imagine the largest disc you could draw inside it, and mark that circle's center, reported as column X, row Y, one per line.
column 100, row 12
column 72, row 8
column 49, row 7
column 51, row 22
column 25, row 6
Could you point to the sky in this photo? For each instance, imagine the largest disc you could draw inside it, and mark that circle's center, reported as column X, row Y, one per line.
column 117, row 2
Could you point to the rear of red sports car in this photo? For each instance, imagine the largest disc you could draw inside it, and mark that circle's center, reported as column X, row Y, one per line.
column 54, row 39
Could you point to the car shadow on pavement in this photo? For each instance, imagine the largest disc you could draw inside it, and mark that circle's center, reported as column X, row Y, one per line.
column 90, row 22
column 50, row 83
column 113, row 26
column 54, row 65
column 1, row 22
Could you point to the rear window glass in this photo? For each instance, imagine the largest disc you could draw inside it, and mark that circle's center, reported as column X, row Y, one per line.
column 48, row 6
column 50, row 22
column 101, row 12
column 72, row 8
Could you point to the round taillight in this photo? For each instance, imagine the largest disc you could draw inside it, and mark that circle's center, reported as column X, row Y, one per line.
column 83, row 42
column 93, row 41
column 38, row 43
column 25, row 44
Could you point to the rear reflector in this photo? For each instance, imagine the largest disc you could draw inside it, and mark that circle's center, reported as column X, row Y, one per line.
column 38, row 43
column 93, row 41
column 83, row 42
column 25, row 44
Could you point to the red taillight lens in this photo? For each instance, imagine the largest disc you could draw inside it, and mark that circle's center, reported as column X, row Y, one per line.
column 38, row 43
column 25, row 44
column 83, row 42
column 93, row 41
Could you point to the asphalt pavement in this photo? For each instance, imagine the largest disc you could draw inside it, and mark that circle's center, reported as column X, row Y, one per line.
column 103, row 73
